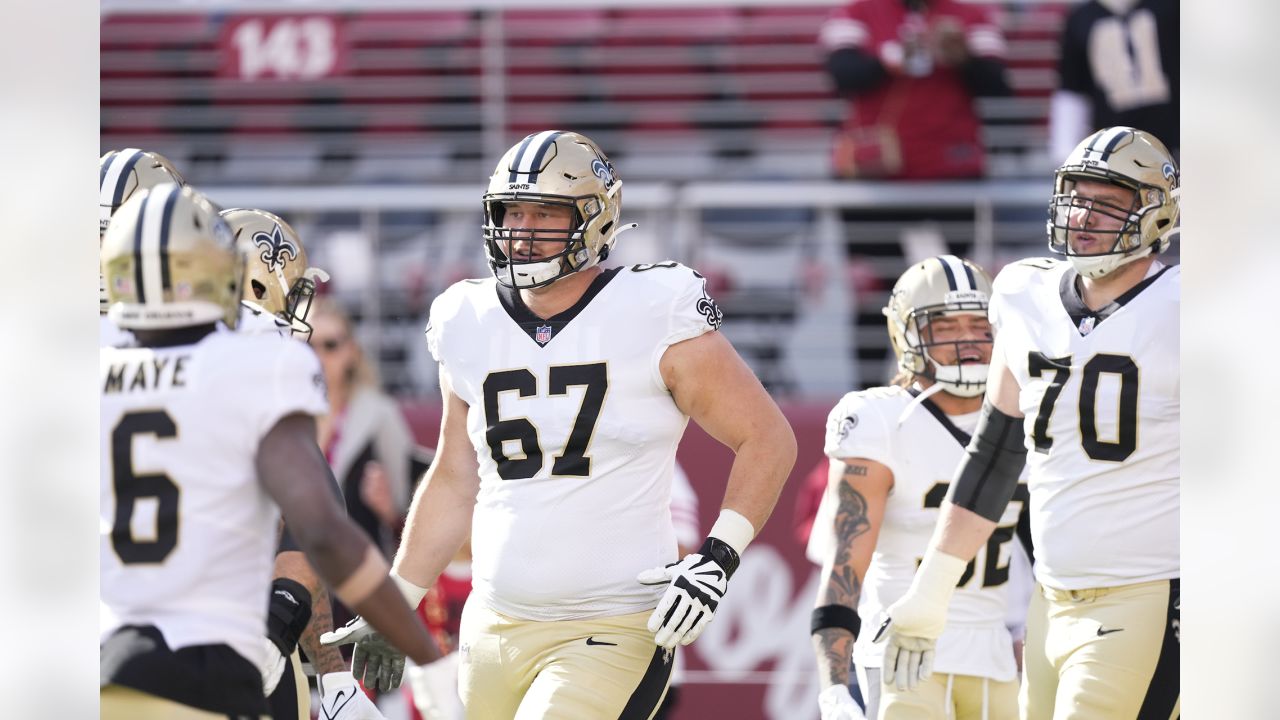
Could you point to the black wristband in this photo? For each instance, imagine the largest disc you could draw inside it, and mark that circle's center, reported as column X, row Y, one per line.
column 835, row 616
column 287, row 614
column 724, row 555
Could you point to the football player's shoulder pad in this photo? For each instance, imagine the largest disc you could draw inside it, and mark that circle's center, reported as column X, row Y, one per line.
column 1019, row 276
column 861, row 424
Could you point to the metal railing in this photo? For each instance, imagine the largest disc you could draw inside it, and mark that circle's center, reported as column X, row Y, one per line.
column 777, row 254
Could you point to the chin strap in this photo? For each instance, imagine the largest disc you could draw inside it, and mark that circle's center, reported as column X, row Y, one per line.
column 916, row 401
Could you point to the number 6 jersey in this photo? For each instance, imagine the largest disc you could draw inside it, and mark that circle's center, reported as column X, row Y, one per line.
column 1100, row 394
column 575, row 433
column 188, row 534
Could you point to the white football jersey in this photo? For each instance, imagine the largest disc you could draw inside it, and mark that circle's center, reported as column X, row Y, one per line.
column 922, row 451
column 188, row 534
column 255, row 320
column 1101, row 400
column 575, row 433
column 112, row 335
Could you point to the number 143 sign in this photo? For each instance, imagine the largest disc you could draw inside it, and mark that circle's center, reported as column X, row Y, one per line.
column 282, row 47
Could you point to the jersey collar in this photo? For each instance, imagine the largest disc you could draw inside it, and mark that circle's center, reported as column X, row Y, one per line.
column 540, row 330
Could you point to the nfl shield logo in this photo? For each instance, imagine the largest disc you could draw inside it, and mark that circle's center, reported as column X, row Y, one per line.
column 542, row 335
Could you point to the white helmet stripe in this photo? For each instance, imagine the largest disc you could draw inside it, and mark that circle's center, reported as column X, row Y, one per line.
column 959, row 276
column 111, row 183
column 152, row 248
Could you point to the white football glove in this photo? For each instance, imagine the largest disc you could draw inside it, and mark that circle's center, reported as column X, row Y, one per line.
column 344, row 700
column 835, row 703
column 375, row 660
column 916, row 620
column 697, row 584
column 435, row 688
column 273, row 668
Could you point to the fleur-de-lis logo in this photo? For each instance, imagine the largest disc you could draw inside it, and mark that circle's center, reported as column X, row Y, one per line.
column 277, row 250
column 710, row 310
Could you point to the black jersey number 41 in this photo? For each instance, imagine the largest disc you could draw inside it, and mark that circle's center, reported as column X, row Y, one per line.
column 1101, row 364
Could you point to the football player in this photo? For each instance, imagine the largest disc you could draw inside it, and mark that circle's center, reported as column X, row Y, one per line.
column 890, row 448
column 566, row 389
column 1085, row 363
column 278, row 290
column 121, row 173
column 279, row 285
column 203, row 434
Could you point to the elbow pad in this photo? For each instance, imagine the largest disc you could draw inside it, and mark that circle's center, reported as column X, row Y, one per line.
column 988, row 474
column 288, row 613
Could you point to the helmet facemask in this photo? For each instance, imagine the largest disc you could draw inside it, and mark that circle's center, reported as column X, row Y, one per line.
column 527, row 270
column 1070, row 212
column 960, row 379
column 552, row 168
column 1124, row 158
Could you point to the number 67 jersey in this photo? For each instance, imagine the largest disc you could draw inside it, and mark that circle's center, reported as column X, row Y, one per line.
column 1100, row 396
column 575, row 434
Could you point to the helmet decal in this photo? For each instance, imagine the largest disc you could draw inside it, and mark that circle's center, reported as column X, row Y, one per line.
column 277, row 250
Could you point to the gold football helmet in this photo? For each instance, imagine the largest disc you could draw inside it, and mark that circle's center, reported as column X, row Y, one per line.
column 943, row 285
column 1131, row 159
column 169, row 261
column 121, row 173
column 557, row 168
column 276, row 277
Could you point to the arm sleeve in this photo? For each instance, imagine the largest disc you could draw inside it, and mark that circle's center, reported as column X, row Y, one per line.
column 988, row 474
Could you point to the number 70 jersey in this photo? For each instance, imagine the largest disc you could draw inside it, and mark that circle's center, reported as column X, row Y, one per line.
column 1101, row 402
column 575, row 434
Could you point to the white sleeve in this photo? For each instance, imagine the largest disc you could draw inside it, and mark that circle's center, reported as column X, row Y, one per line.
column 693, row 312
column 298, row 383
column 856, row 429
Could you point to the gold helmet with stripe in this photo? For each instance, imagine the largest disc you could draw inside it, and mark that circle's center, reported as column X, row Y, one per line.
column 121, row 173
column 935, row 288
column 1127, row 225
column 559, row 168
column 277, row 279
column 169, row 261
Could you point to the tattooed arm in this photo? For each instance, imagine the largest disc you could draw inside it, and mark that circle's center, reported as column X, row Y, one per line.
column 862, row 488
column 325, row 658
